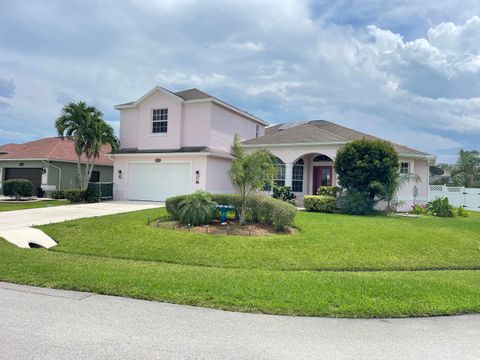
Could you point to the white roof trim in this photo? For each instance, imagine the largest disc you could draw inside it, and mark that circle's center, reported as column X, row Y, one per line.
column 211, row 99
column 213, row 154
column 296, row 144
column 148, row 94
column 418, row 156
column 229, row 107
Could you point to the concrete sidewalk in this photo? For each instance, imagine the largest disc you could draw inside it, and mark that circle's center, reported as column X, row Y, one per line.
column 15, row 225
column 37, row 323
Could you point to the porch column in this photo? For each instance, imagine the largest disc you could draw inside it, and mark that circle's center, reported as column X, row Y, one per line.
column 288, row 174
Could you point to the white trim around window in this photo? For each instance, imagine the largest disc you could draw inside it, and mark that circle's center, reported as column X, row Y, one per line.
column 405, row 167
column 159, row 122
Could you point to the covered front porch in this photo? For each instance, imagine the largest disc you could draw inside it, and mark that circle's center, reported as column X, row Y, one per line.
column 305, row 174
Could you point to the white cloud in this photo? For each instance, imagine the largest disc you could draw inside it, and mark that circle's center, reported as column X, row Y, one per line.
column 369, row 65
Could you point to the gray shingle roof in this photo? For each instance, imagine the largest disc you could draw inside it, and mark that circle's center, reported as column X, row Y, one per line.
column 193, row 94
column 317, row 131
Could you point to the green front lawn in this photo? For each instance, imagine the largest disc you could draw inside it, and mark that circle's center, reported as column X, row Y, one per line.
column 336, row 265
column 324, row 242
column 21, row 205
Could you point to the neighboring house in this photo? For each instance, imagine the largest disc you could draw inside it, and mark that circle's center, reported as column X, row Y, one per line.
column 175, row 143
column 49, row 163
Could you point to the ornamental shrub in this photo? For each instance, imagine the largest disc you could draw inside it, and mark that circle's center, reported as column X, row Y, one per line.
column 362, row 165
column 320, row 203
column 419, row 209
column 197, row 209
column 93, row 193
column 354, row 202
column 460, row 211
column 260, row 208
column 172, row 204
column 58, row 194
column 329, row 190
column 282, row 214
column 441, row 207
column 74, row 195
column 284, row 193
column 18, row 188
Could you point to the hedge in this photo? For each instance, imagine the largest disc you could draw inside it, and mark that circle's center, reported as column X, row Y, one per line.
column 58, row 194
column 329, row 190
column 320, row 203
column 74, row 195
column 260, row 208
column 18, row 188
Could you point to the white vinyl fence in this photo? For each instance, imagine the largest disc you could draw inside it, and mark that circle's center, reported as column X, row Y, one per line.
column 469, row 198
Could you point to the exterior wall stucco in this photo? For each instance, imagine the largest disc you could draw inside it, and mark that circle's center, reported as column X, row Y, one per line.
column 290, row 154
column 218, row 180
column 169, row 140
column 226, row 123
column 197, row 123
column 190, row 124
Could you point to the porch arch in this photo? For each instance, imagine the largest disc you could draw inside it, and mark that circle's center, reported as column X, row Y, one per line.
column 318, row 170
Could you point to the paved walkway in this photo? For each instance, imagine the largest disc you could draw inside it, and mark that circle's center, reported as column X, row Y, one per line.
column 15, row 226
column 38, row 323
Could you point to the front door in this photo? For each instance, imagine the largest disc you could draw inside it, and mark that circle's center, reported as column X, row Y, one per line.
column 322, row 176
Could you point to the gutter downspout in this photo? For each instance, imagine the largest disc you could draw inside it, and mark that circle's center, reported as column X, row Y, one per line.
column 59, row 173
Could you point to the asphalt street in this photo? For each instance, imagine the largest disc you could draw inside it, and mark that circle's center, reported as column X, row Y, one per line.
column 38, row 323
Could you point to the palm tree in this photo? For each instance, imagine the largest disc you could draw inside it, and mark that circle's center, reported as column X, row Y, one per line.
column 467, row 169
column 249, row 172
column 97, row 135
column 72, row 124
column 397, row 182
column 89, row 132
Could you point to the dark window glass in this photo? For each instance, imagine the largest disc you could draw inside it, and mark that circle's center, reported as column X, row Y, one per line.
column 322, row 158
column 159, row 121
column 297, row 176
column 95, row 177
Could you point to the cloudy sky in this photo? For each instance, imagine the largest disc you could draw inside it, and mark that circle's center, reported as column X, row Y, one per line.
column 408, row 71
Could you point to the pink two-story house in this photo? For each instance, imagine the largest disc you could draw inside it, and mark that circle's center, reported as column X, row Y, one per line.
column 176, row 143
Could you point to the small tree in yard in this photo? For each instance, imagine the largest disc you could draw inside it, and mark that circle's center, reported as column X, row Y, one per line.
column 369, row 167
column 467, row 169
column 249, row 172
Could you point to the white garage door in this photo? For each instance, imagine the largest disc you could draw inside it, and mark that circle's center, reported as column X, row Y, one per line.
column 158, row 181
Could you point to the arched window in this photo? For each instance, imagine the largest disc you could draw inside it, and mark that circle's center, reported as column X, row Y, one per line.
column 322, row 158
column 297, row 178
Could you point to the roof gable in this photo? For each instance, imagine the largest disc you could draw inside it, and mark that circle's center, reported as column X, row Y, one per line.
column 191, row 95
column 133, row 104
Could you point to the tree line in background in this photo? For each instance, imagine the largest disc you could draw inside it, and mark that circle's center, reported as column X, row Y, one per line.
column 85, row 126
column 466, row 172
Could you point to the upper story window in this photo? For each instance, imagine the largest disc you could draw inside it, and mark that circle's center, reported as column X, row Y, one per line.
column 404, row 168
column 159, row 121
column 257, row 131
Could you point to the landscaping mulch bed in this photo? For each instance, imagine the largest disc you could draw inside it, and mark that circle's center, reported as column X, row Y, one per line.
column 228, row 228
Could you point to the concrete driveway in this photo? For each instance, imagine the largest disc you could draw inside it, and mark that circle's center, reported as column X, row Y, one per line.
column 15, row 226
column 37, row 323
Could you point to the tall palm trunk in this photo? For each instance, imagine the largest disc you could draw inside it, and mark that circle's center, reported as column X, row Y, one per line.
column 79, row 171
